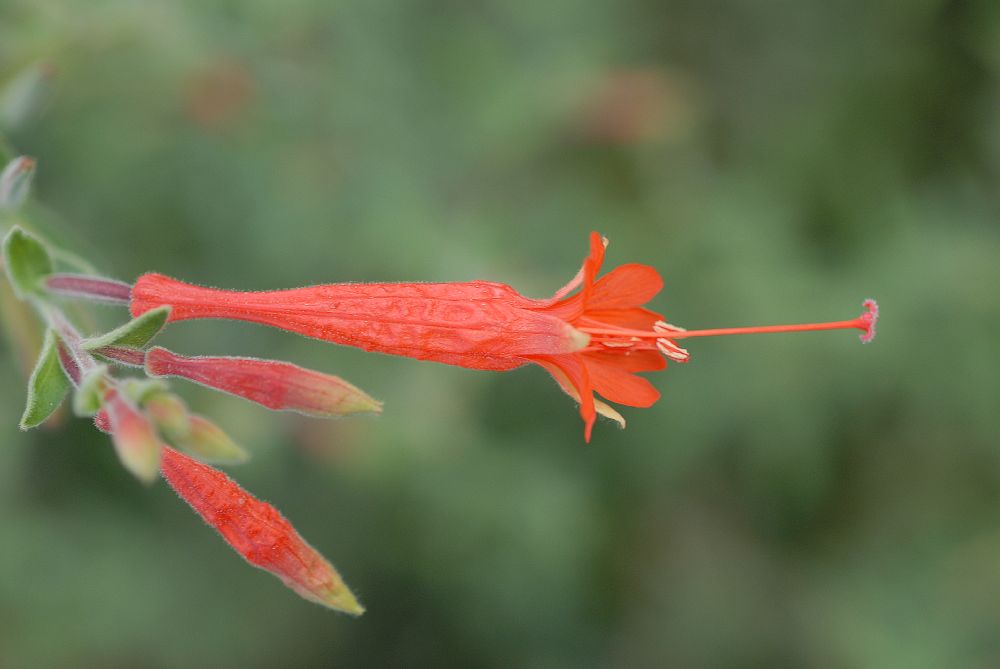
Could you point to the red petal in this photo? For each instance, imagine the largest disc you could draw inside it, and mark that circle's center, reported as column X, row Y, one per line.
column 618, row 385
column 631, row 361
column 571, row 374
column 630, row 285
column 568, row 308
column 634, row 318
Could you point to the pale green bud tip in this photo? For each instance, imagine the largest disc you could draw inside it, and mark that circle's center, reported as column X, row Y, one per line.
column 344, row 600
column 357, row 401
column 210, row 443
column 333, row 594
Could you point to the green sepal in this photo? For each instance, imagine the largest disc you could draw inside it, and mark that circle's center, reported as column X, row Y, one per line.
column 170, row 415
column 47, row 386
column 138, row 390
column 137, row 333
column 15, row 182
column 90, row 395
column 26, row 261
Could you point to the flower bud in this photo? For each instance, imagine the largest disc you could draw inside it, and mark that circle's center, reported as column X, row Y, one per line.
column 276, row 385
column 209, row 443
column 258, row 532
column 169, row 413
column 15, row 182
column 133, row 435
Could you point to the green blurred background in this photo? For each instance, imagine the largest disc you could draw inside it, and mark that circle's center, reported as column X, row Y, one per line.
column 793, row 500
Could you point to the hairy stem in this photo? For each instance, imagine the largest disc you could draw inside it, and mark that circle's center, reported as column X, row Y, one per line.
column 89, row 287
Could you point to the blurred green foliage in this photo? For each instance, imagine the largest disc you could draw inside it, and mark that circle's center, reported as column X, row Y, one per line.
column 792, row 500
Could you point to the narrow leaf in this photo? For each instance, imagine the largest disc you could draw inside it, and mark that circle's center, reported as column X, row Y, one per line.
column 137, row 333
column 26, row 261
column 47, row 386
column 15, row 182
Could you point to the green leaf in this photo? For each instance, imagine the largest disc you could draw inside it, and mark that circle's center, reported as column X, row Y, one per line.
column 15, row 182
column 137, row 333
column 47, row 387
column 26, row 261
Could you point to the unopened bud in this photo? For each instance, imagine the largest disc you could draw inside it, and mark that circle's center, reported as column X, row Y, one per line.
column 270, row 383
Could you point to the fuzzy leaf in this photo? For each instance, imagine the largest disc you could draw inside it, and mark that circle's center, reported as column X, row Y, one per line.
column 47, row 387
column 137, row 333
column 15, row 182
column 26, row 261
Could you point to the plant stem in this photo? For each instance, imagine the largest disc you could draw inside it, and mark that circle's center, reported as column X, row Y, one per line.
column 89, row 287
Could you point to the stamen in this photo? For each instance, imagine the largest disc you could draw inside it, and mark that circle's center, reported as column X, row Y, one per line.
column 672, row 350
column 619, row 344
column 663, row 326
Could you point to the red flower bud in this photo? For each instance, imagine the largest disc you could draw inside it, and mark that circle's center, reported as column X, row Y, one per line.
column 273, row 384
column 135, row 440
column 257, row 531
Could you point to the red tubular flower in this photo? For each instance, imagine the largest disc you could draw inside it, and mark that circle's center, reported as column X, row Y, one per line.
column 273, row 384
column 257, row 531
column 592, row 341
